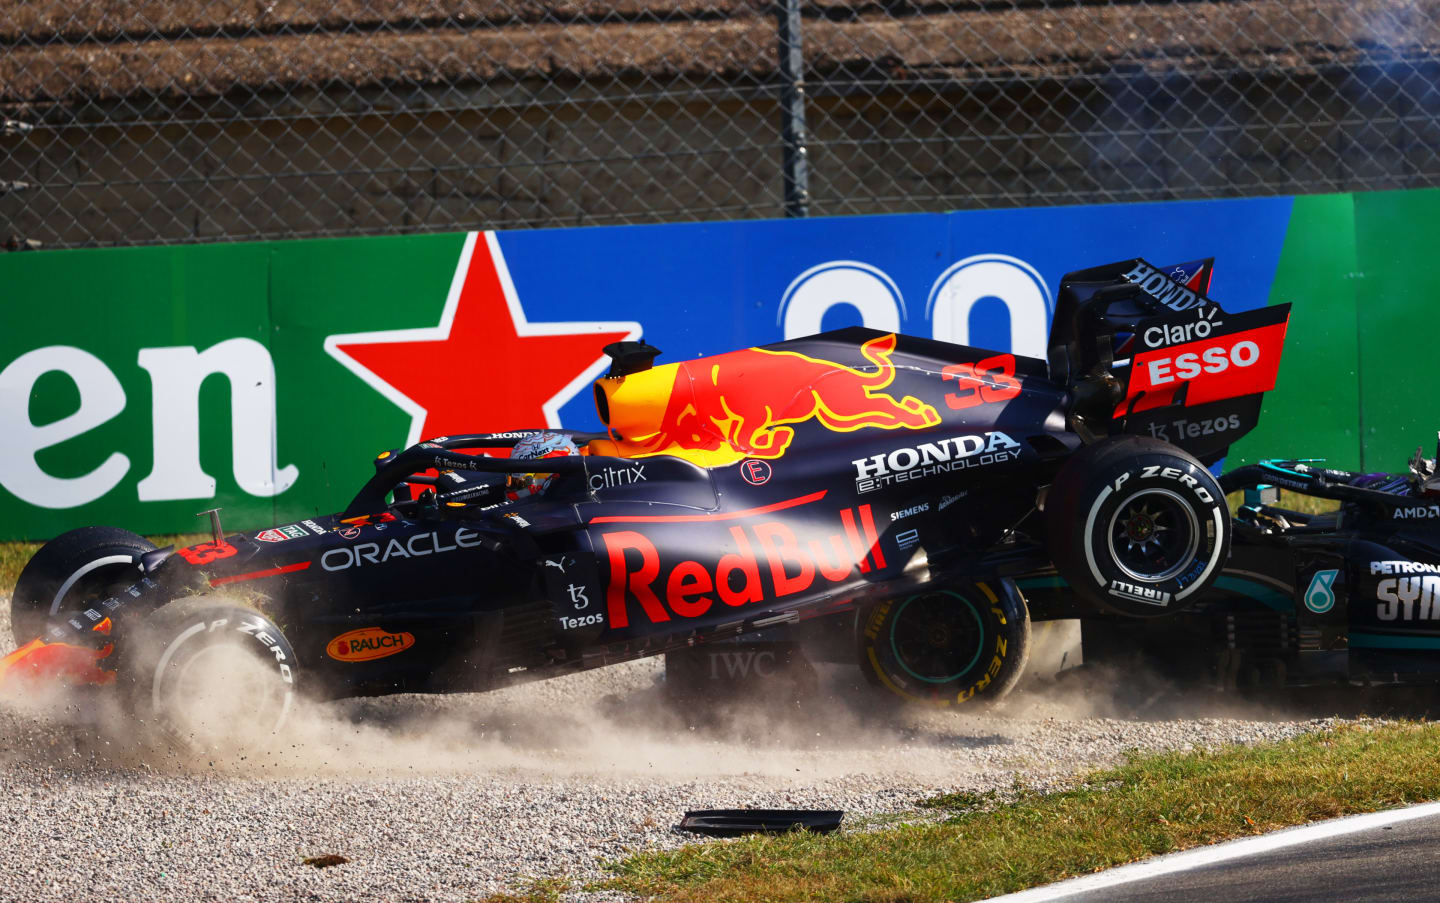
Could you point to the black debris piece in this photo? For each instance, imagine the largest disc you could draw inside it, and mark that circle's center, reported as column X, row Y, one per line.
column 734, row 822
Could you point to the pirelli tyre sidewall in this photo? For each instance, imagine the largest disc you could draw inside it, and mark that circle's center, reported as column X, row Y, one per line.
column 75, row 567
column 169, row 674
column 963, row 643
column 1137, row 526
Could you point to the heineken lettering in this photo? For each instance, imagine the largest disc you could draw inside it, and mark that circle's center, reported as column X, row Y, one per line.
column 176, row 374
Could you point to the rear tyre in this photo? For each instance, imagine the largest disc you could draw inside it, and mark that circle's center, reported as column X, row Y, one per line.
column 964, row 643
column 207, row 674
column 1137, row 527
column 74, row 567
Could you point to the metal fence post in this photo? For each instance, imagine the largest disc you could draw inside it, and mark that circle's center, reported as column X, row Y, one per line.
column 794, row 160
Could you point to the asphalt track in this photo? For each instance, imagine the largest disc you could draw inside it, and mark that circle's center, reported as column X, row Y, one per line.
column 1380, row 857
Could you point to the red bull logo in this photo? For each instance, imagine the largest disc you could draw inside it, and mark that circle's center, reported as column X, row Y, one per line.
column 719, row 410
column 769, row 561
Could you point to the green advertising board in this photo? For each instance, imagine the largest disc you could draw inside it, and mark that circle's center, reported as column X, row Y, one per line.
column 1358, row 381
column 1397, row 286
column 1314, row 409
column 143, row 385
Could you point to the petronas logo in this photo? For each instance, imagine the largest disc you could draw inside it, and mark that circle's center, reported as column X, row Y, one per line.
column 1320, row 595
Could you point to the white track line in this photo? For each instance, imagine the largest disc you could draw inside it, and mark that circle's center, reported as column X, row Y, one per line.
column 1224, row 852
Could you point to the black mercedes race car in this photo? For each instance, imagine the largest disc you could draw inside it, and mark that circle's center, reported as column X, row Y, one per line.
column 1346, row 596
column 906, row 478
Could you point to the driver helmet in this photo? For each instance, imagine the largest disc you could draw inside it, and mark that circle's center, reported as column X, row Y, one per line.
column 538, row 445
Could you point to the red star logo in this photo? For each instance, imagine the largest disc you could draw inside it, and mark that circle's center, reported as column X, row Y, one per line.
column 484, row 367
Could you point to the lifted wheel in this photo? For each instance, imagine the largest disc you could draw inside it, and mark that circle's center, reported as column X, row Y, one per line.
column 1137, row 527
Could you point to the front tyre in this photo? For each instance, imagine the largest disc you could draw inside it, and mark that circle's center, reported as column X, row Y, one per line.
column 74, row 567
column 208, row 674
column 963, row 643
column 1137, row 526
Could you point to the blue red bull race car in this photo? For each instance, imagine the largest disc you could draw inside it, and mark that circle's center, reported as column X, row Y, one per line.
column 891, row 482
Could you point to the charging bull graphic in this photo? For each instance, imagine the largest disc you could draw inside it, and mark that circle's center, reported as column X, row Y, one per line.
column 718, row 410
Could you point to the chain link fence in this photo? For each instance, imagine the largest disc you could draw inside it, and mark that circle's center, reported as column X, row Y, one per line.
column 140, row 121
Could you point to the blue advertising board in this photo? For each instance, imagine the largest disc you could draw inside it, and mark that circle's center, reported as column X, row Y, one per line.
column 984, row 278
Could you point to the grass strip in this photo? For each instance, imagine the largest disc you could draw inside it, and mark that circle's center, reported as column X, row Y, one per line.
column 13, row 557
column 1154, row 804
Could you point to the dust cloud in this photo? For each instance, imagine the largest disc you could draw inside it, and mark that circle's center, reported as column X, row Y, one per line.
column 618, row 721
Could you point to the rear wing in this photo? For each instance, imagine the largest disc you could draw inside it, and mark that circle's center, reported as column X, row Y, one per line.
column 1149, row 354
